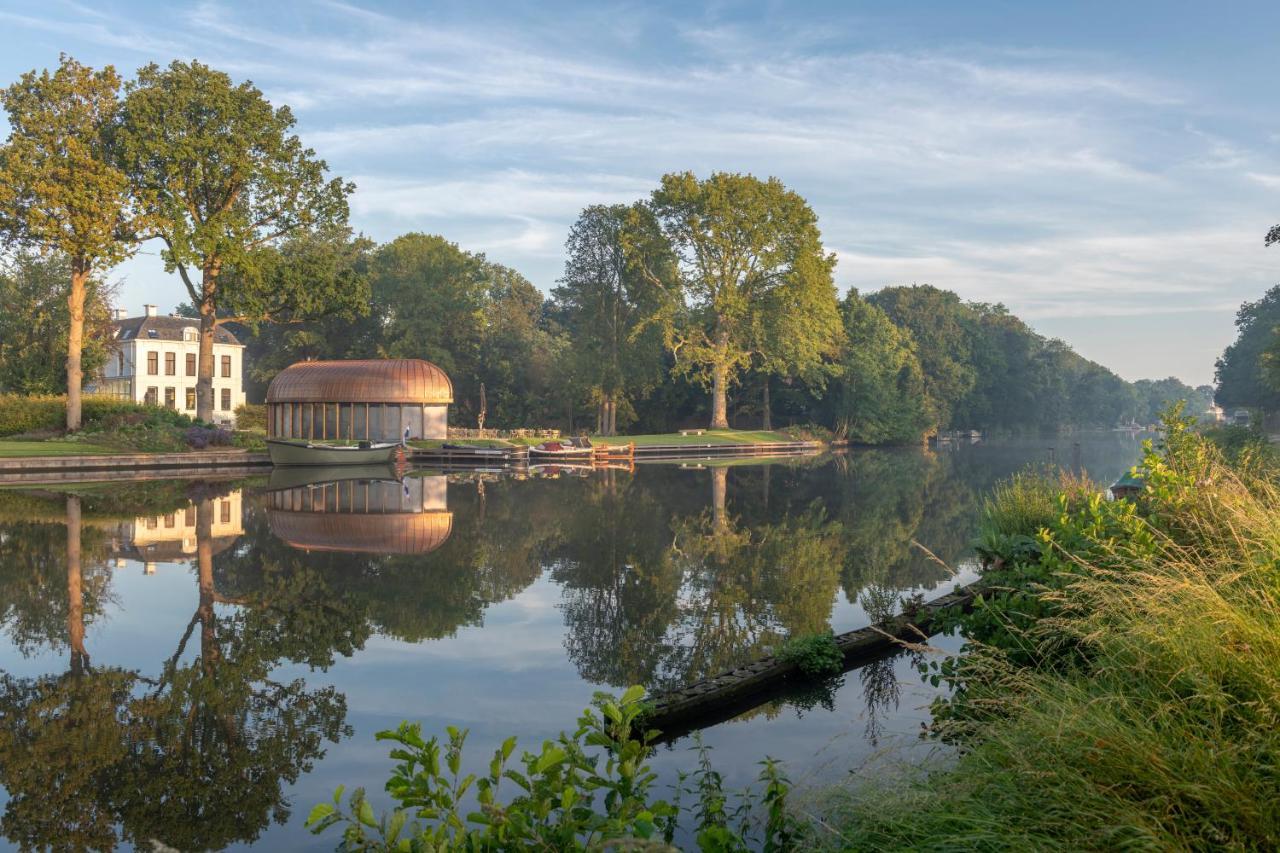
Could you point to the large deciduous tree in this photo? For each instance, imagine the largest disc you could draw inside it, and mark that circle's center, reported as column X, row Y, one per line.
column 609, row 303
column 752, row 265
column 60, row 189
column 220, row 175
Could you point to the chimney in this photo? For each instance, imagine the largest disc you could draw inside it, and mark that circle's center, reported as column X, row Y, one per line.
column 118, row 313
column 150, row 309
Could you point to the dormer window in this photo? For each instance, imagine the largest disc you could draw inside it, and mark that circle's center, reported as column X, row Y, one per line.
column 190, row 334
column 152, row 333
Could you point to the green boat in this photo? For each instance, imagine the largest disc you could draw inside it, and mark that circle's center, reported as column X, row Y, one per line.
column 308, row 453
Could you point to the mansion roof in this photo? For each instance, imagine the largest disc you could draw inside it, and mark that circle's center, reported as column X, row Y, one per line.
column 164, row 329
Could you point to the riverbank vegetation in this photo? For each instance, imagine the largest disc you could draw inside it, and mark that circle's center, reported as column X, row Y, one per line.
column 32, row 426
column 1118, row 686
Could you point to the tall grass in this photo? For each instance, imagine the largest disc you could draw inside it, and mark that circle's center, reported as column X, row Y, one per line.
column 1161, row 730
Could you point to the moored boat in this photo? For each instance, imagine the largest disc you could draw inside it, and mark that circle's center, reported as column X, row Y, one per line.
column 284, row 452
column 579, row 448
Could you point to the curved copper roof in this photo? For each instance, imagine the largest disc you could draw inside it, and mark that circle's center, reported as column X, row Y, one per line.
column 375, row 533
column 387, row 380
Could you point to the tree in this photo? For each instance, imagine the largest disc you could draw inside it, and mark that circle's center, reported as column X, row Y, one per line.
column 937, row 320
column 60, row 189
column 219, row 175
column 609, row 304
column 35, row 325
column 880, row 396
column 751, row 259
column 1241, row 380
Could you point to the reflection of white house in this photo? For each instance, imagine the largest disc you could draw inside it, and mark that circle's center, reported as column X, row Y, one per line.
column 154, row 362
column 172, row 537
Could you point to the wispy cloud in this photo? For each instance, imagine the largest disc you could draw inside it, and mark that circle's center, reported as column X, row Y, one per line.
column 1065, row 183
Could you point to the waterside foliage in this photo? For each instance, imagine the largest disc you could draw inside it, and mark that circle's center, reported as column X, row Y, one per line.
column 1118, row 687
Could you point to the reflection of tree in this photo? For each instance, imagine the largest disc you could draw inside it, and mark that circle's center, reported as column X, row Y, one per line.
column 620, row 582
column 197, row 757
column 218, row 737
column 60, row 735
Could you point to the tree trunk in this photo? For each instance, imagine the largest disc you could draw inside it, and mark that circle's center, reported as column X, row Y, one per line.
column 720, row 381
column 75, row 342
column 209, row 649
column 766, row 420
column 75, row 590
column 613, row 415
column 208, row 326
column 719, row 397
column 719, row 495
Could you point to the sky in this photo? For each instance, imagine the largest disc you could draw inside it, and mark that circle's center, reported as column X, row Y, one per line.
column 1105, row 170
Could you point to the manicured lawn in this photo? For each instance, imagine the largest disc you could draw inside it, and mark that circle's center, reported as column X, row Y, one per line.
column 435, row 443
column 12, row 449
column 717, row 436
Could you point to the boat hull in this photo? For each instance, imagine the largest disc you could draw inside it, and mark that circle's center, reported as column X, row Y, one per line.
column 301, row 453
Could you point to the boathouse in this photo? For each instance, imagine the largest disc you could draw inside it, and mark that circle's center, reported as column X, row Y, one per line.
column 375, row 400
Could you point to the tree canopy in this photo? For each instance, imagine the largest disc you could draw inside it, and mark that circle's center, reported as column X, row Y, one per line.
column 61, row 190
column 751, row 265
column 220, row 176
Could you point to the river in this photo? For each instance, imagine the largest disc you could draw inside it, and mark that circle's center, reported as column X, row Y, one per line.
column 199, row 662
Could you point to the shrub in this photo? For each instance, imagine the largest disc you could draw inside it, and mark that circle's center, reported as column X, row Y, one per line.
column 48, row 413
column 816, row 655
column 251, row 416
column 200, row 437
column 591, row 790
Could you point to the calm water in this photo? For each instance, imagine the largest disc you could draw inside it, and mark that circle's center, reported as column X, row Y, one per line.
column 199, row 662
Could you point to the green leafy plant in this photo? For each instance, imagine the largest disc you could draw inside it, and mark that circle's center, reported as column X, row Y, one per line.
column 589, row 790
column 816, row 655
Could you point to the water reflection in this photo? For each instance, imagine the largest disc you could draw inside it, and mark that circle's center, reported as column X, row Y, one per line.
column 198, row 751
column 658, row 577
column 362, row 515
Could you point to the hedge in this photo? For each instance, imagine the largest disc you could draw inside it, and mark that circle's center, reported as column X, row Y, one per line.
column 48, row 413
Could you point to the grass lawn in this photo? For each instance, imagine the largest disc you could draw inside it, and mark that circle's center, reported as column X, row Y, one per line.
column 711, row 436
column 435, row 443
column 13, row 449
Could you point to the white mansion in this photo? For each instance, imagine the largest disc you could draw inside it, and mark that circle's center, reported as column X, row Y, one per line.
column 154, row 362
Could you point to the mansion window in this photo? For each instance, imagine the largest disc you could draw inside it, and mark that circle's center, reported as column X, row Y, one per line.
column 120, row 364
column 226, row 399
column 191, row 364
column 191, row 398
column 226, row 366
column 153, row 364
column 152, row 397
column 170, row 364
column 170, row 398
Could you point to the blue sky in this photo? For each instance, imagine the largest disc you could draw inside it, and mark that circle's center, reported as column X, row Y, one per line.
column 1107, row 170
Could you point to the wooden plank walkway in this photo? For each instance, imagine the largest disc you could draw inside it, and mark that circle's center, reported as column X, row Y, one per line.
column 733, row 692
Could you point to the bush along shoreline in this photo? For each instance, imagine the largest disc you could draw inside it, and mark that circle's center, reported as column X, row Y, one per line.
column 1118, row 687
column 122, row 425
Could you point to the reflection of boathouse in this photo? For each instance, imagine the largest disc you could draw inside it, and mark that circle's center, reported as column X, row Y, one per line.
column 378, row 400
column 366, row 516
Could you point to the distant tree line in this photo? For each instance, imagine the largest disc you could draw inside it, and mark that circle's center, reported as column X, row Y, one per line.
column 711, row 301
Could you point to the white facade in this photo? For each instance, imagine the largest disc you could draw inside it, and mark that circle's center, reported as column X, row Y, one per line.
column 155, row 362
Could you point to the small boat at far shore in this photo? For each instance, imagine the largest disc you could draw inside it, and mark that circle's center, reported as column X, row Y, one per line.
column 284, row 452
column 579, row 448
